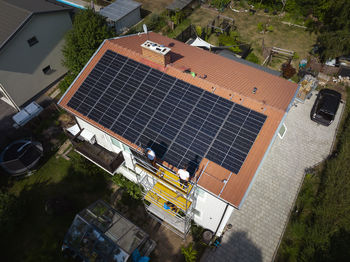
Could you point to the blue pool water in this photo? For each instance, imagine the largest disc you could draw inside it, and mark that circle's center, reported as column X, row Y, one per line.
column 71, row 4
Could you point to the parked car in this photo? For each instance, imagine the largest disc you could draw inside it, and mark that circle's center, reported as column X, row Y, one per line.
column 325, row 107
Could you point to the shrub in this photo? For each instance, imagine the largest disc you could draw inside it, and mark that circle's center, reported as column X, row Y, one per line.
column 260, row 27
column 199, row 30
column 296, row 56
column 288, row 70
column 66, row 82
column 219, row 4
column 230, row 40
column 131, row 188
column 156, row 22
column 253, row 58
column 189, row 253
column 270, row 28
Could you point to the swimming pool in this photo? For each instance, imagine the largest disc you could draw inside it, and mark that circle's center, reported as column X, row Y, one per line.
column 71, row 4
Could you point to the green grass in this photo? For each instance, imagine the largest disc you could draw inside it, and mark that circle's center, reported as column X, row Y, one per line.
column 38, row 235
column 179, row 28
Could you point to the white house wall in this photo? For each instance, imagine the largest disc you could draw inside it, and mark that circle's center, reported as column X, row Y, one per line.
column 211, row 210
column 21, row 66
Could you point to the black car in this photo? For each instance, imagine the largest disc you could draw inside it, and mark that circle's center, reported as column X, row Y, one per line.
column 325, row 107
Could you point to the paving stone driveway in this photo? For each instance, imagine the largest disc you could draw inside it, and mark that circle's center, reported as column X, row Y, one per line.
column 259, row 225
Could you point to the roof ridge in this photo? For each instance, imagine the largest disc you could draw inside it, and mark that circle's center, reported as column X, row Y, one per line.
column 18, row 7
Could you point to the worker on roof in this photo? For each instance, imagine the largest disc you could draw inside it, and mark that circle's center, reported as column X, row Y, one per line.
column 184, row 176
column 151, row 155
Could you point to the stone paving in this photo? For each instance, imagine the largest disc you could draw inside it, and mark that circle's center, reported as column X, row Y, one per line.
column 259, row 224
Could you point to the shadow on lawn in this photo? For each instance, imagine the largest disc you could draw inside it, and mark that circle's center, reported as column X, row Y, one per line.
column 37, row 235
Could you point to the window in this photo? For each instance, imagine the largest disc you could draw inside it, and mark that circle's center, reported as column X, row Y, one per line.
column 32, row 41
column 282, row 131
column 196, row 212
column 126, row 149
column 116, row 143
column 47, row 70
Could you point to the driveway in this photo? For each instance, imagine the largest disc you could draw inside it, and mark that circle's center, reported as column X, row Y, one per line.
column 259, row 225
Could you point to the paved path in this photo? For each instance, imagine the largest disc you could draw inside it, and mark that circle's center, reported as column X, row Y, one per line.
column 259, row 225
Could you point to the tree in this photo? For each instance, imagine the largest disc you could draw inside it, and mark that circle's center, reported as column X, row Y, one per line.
column 88, row 31
column 334, row 35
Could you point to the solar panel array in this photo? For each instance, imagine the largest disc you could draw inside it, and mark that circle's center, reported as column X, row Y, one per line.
column 182, row 123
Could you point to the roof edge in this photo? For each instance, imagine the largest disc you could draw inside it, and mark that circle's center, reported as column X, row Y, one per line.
column 81, row 71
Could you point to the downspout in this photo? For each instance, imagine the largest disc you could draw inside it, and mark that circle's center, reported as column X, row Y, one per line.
column 217, row 229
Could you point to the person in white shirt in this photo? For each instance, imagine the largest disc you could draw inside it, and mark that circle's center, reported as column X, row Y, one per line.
column 184, row 176
column 151, row 155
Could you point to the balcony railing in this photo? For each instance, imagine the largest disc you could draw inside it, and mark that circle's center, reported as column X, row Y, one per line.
column 108, row 160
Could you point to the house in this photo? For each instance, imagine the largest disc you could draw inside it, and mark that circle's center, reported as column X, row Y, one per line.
column 122, row 14
column 191, row 107
column 31, row 40
column 100, row 233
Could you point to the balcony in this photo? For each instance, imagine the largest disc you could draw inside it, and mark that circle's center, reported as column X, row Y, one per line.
column 107, row 160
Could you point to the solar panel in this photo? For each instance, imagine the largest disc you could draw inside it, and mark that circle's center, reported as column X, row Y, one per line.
column 182, row 123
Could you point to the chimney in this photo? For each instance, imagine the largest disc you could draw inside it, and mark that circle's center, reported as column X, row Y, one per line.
column 156, row 53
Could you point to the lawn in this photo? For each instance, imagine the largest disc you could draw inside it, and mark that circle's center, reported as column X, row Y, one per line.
column 283, row 36
column 38, row 235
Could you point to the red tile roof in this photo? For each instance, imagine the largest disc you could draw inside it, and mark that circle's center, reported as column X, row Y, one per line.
column 228, row 79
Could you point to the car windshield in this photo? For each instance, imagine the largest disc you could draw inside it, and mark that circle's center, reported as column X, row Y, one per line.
column 326, row 116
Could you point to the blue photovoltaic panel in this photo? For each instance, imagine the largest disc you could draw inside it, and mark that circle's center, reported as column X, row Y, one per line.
column 182, row 123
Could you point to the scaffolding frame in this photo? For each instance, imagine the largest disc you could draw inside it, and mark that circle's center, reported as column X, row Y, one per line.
column 178, row 220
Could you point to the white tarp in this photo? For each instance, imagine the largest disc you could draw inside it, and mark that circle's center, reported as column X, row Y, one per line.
column 73, row 129
column 84, row 135
column 200, row 42
column 26, row 114
column 88, row 136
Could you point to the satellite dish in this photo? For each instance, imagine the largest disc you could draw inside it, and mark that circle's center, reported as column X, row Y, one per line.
column 145, row 30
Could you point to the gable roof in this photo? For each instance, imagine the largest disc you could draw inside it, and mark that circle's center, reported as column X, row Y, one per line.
column 119, row 9
column 225, row 78
column 15, row 13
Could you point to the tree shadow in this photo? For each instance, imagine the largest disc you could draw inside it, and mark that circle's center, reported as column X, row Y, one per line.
column 47, row 208
column 235, row 246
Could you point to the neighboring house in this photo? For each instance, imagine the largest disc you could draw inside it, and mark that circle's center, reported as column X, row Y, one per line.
column 122, row 14
column 31, row 41
column 191, row 107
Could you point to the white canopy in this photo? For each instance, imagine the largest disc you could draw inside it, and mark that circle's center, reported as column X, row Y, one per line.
column 200, row 42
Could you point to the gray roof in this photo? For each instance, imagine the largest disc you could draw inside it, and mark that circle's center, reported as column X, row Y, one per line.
column 119, row 9
column 230, row 55
column 15, row 13
column 178, row 5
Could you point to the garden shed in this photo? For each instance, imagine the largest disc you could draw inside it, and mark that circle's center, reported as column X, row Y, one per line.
column 122, row 14
column 178, row 5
